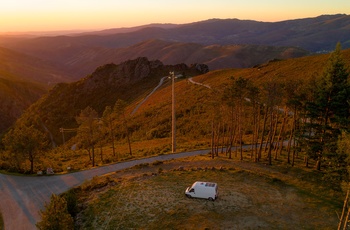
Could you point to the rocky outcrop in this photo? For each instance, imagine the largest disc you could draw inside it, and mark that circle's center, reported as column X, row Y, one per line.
column 132, row 71
column 202, row 68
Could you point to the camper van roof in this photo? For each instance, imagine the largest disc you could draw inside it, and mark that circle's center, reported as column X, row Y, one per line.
column 206, row 184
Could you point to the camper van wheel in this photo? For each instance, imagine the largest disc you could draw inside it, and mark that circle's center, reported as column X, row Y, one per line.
column 189, row 196
column 211, row 199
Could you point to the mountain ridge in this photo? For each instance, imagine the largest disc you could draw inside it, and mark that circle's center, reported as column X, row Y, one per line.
column 80, row 55
column 105, row 85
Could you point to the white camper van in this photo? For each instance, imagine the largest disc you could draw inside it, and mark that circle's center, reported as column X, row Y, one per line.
column 206, row 190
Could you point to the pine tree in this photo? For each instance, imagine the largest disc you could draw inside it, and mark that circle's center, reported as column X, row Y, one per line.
column 328, row 112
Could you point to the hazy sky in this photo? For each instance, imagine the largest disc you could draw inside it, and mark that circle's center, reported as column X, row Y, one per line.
column 48, row 15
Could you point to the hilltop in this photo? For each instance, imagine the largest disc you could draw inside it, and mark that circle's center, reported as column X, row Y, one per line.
column 251, row 196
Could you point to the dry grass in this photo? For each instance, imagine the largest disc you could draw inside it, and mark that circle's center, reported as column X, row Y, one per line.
column 251, row 196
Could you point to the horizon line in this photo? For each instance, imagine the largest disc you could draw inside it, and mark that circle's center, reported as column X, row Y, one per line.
column 61, row 32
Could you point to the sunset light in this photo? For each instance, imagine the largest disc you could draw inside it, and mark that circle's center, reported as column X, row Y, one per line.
column 43, row 15
column 174, row 114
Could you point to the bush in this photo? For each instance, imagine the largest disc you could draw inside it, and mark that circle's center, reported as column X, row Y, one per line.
column 56, row 215
column 71, row 199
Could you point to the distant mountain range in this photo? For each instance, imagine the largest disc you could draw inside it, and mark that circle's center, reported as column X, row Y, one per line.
column 219, row 43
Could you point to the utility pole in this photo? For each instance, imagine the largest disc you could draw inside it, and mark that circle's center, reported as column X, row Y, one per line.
column 63, row 130
column 173, row 120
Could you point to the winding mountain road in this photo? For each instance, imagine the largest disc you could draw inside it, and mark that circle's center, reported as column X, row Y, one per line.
column 146, row 98
column 23, row 197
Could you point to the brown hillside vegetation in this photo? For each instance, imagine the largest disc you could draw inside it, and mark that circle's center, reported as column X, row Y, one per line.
column 128, row 81
column 276, row 70
column 193, row 102
column 150, row 126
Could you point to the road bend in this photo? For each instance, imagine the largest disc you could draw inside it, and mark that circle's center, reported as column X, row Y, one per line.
column 22, row 197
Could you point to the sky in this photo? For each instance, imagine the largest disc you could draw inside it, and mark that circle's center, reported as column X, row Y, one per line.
column 54, row 15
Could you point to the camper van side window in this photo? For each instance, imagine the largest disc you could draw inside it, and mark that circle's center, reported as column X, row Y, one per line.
column 192, row 190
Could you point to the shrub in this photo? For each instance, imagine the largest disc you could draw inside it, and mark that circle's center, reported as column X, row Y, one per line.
column 71, row 199
column 56, row 216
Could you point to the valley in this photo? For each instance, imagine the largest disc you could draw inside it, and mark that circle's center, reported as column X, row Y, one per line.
column 261, row 108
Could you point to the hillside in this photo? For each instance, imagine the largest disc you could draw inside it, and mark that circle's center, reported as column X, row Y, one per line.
column 23, row 80
column 218, row 43
column 15, row 98
column 64, row 102
column 195, row 103
column 19, row 66
column 129, row 81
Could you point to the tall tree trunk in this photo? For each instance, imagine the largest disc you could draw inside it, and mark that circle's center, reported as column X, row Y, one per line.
column 273, row 136
column 290, row 139
column 240, row 131
column 212, row 139
column 93, row 155
column 232, row 133
column 223, row 131
column 232, row 141
column 89, row 152
column 279, row 147
column 262, row 133
column 127, row 134
column 217, row 139
column 31, row 159
column 257, row 134
column 101, row 151
column 306, row 160
column 111, row 131
column 269, row 140
column 345, row 206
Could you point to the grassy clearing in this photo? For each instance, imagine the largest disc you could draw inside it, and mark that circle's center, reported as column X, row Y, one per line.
column 251, row 196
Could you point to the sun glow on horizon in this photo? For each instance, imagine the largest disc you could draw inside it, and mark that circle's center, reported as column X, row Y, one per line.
column 43, row 15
